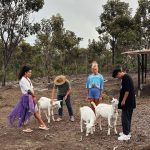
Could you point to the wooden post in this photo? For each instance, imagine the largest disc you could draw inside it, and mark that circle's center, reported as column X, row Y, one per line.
column 139, row 84
column 145, row 67
column 142, row 70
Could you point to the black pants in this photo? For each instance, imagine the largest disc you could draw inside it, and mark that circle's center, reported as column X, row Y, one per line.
column 68, row 104
column 126, row 120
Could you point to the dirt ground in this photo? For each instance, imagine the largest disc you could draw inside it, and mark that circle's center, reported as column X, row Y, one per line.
column 65, row 135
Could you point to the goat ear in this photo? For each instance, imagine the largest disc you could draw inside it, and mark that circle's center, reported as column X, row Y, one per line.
column 60, row 100
column 112, row 101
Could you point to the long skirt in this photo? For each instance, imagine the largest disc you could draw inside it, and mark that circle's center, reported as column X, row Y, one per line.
column 22, row 111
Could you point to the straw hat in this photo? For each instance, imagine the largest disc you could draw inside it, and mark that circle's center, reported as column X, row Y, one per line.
column 59, row 80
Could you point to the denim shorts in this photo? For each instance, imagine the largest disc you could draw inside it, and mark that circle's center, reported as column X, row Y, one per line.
column 94, row 93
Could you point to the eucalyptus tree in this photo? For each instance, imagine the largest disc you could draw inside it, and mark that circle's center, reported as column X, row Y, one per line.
column 23, row 55
column 71, row 44
column 63, row 41
column 44, row 43
column 14, row 26
column 96, row 49
column 114, row 10
column 123, row 27
column 1, row 47
column 57, row 25
column 71, row 48
column 55, row 43
column 142, row 22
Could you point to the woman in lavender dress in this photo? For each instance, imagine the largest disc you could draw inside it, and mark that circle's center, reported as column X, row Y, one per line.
column 26, row 105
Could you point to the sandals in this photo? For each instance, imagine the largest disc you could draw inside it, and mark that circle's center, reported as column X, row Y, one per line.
column 28, row 130
column 43, row 127
column 58, row 119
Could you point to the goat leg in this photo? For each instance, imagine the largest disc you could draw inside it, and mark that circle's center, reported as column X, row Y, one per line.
column 81, row 125
column 115, row 122
column 52, row 113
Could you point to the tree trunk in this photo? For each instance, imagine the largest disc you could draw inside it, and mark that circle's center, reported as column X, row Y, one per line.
column 76, row 66
column 62, row 63
column 3, row 75
column 113, row 52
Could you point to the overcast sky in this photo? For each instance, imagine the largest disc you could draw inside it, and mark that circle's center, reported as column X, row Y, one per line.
column 80, row 16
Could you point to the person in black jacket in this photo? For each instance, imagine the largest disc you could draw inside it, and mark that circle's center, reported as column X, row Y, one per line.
column 127, row 102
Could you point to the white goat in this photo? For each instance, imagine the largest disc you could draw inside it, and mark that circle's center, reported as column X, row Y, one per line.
column 89, row 117
column 108, row 111
column 47, row 107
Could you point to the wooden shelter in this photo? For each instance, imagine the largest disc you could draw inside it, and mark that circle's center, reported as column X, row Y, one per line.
column 142, row 65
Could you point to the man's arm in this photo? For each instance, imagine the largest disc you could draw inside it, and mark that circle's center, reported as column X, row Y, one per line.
column 68, row 93
column 53, row 94
column 124, row 98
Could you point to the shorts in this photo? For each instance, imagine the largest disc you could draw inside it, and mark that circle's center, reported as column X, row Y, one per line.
column 94, row 93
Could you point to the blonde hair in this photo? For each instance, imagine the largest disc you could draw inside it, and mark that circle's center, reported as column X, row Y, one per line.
column 94, row 64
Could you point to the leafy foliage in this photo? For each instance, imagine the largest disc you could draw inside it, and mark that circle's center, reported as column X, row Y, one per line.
column 14, row 26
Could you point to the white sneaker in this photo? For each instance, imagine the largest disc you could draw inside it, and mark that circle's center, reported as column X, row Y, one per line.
column 72, row 118
column 124, row 137
column 121, row 133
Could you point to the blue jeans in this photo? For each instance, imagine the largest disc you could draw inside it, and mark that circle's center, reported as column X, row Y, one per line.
column 68, row 104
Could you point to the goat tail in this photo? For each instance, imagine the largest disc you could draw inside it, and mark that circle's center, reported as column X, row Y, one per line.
column 93, row 104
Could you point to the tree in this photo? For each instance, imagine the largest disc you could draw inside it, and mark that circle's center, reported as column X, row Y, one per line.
column 44, row 42
column 63, row 41
column 97, row 49
column 57, row 25
column 71, row 46
column 142, row 23
column 14, row 26
column 55, row 43
column 113, row 11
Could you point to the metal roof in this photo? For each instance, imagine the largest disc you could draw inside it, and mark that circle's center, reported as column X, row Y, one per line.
column 132, row 52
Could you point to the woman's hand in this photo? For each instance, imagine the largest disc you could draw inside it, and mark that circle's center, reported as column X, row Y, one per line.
column 34, row 97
